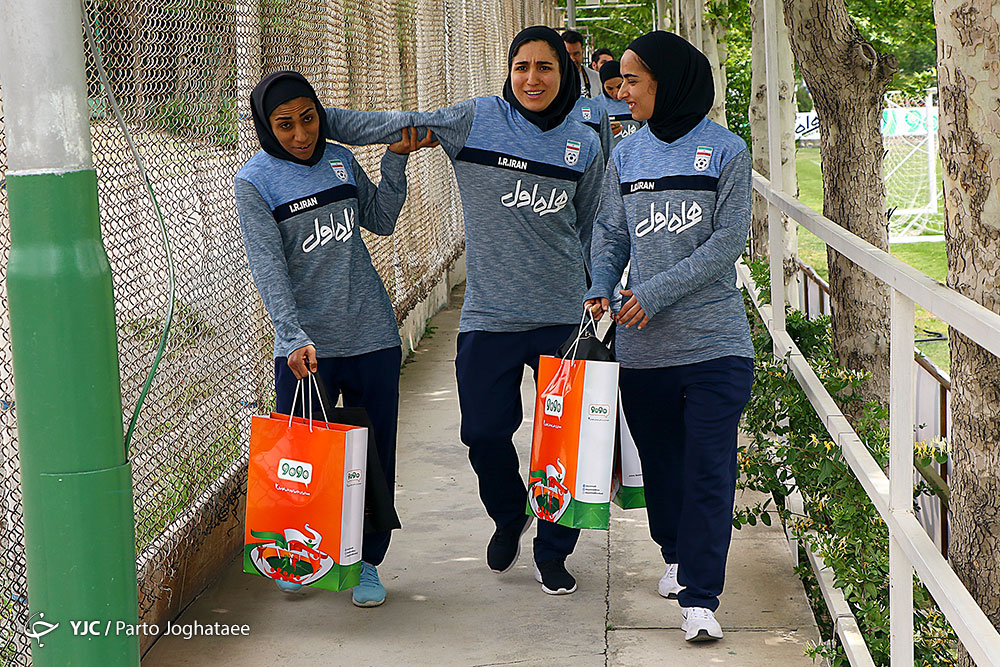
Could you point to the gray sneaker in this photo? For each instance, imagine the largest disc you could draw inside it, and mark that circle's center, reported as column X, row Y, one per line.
column 668, row 586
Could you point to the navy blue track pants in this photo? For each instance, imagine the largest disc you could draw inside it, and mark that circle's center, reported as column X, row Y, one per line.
column 369, row 381
column 489, row 366
column 685, row 420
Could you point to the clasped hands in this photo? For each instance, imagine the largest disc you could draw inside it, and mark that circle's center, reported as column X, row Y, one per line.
column 631, row 313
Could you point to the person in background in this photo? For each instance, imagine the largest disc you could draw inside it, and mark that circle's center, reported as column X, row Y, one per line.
column 301, row 204
column 590, row 112
column 605, row 113
column 600, row 57
column 675, row 205
column 619, row 116
column 590, row 82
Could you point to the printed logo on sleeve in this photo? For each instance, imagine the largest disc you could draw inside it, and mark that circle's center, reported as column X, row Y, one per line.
column 339, row 170
column 572, row 155
column 586, row 113
column 702, row 158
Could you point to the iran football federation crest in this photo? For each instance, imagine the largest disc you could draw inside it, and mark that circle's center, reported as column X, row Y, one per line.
column 702, row 158
column 586, row 113
column 572, row 155
column 339, row 170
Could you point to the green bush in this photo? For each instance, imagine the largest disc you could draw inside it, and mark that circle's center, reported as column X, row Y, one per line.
column 790, row 449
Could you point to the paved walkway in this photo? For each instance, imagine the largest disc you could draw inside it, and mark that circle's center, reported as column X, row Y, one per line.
column 445, row 607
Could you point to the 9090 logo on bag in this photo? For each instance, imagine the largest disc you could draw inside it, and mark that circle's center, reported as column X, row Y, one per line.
column 599, row 412
column 354, row 477
column 554, row 405
column 295, row 471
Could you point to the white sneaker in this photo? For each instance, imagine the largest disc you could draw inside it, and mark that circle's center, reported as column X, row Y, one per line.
column 668, row 586
column 700, row 625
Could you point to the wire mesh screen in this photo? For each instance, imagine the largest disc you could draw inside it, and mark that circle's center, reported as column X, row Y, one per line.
column 182, row 71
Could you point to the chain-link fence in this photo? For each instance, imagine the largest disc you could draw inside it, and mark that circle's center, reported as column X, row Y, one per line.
column 182, row 71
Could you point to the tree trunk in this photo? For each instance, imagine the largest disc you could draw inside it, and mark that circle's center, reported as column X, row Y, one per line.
column 758, row 133
column 714, row 47
column 969, row 131
column 847, row 78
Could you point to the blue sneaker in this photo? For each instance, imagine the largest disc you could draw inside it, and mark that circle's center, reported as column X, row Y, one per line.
column 370, row 592
column 288, row 586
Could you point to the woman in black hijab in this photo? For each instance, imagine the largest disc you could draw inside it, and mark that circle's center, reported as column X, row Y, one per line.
column 676, row 201
column 300, row 202
column 529, row 177
column 620, row 117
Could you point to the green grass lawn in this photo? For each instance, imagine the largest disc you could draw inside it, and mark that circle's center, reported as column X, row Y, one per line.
column 927, row 257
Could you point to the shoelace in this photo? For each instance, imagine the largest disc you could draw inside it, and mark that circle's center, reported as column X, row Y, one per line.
column 699, row 613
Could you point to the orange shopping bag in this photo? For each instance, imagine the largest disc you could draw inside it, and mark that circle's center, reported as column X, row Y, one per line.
column 305, row 501
column 573, row 441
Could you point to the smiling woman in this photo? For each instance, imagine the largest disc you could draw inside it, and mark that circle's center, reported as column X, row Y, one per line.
column 676, row 202
column 529, row 178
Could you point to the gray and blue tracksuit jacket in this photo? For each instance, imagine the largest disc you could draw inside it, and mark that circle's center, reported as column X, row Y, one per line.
column 301, row 229
column 678, row 214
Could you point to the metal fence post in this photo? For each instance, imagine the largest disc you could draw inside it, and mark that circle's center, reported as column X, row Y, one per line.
column 900, row 476
column 76, row 481
column 775, row 229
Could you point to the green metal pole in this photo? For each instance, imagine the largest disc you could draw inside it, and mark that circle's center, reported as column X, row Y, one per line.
column 76, row 482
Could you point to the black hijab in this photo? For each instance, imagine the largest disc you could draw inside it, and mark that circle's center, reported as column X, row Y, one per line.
column 273, row 91
column 569, row 83
column 685, row 90
column 611, row 69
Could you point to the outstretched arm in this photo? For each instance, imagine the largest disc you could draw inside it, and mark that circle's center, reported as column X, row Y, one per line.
column 450, row 125
column 359, row 128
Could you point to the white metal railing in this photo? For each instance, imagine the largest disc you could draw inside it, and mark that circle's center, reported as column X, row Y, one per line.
column 845, row 626
column 909, row 545
column 931, row 411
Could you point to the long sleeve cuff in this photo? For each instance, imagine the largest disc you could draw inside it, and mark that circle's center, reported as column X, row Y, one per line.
column 643, row 295
column 393, row 164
